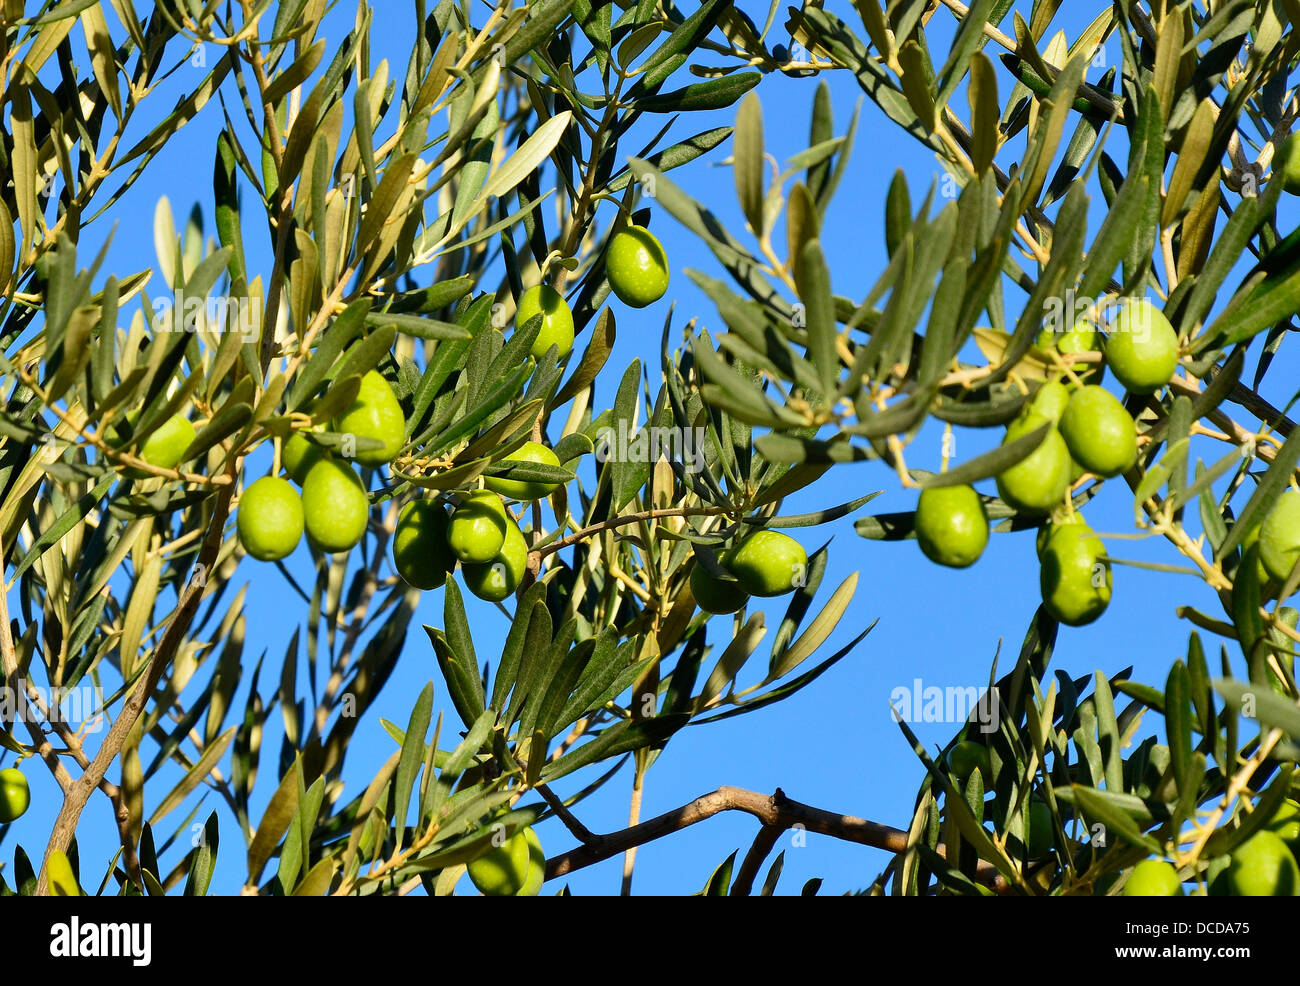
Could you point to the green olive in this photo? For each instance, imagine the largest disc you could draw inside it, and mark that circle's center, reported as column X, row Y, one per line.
column 1288, row 165
column 536, row 865
column 270, row 519
column 1263, row 866
column 496, row 579
column 1279, row 536
column 768, row 563
column 636, row 266
column 951, row 525
column 967, row 757
column 524, row 490
column 1048, row 530
column 1141, row 347
column 557, row 319
column 335, row 506
column 502, row 871
column 375, row 413
column 1074, row 580
column 1038, row 482
column 1041, row 837
column 1153, row 878
column 478, row 527
column 1050, row 400
column 1099, row 432
column 421, row 554
column 15, row 795
column 300, row 453
column 165, row 446
column 1285, row 824
column 715, row 595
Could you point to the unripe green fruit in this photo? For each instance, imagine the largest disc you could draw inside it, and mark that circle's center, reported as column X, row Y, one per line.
column 62, row 881
column 536, row 866
column 1279, row 536
column 1285, row 824
column 15, row 795
column 270, row 519
column 714, row 595
column 502, row 871
column 768, row 563
column 557, row 319
column 1261, row 573
column 1153, row 878
column 1041, row 838
column 1263, row 866
column 636, row 266
column 420, row 551
column 1038, row 482
column 299, row 455
column 1081, row 338
column 478, row 528
column 1288, row 165
column 1075, row 582
column 1047, row 531
column 523, row 490
column 967, row 757
column 1142, row 347
column 951, row 525
column 496, row 579
column 1099, row 432
column 166, row 445
column 376, row 414
column 334, row 505
column 1050, row 400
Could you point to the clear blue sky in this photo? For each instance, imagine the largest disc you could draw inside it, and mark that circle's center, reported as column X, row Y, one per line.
column 834, row 745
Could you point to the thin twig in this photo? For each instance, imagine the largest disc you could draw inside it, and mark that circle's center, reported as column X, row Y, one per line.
column 625, row 520
column 579, row 831
column 758, row 852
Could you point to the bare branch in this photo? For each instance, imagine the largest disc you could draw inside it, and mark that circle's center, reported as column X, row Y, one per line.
column 774, row 811
column 759, row 851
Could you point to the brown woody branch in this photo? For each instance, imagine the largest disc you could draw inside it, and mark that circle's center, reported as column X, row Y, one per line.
column 777, row 813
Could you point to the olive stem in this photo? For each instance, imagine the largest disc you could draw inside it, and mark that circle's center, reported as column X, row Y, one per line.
column 1239, row 783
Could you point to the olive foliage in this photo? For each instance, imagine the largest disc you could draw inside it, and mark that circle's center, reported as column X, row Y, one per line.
column 384, row 218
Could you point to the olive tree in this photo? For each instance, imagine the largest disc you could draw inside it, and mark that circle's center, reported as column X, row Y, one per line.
column 385, row 232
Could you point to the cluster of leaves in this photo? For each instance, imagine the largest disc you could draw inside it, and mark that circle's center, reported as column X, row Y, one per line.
column 843, row 379
column 126, row 572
